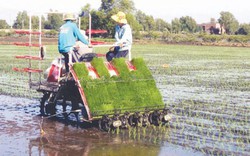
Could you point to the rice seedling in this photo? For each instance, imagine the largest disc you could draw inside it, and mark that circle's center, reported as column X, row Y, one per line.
column 206, row 89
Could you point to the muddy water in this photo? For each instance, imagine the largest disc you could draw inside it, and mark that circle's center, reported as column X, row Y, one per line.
column 23, row 132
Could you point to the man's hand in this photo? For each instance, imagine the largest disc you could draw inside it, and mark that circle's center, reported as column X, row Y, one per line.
column 120, row 45
column 112, row 48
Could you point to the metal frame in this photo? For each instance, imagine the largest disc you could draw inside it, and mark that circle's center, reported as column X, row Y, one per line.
column 81, row 91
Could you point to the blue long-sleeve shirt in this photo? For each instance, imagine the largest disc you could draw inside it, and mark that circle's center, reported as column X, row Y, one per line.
column 68, row 35
column 123, row 35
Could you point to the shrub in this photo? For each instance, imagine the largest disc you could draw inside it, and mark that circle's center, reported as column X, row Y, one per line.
column 137, row 35
column 50, row 33
column 211, row 38
column 239, row 38
column 4, row 33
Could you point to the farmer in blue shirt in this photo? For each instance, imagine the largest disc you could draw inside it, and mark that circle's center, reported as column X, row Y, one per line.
column 68, row 35
column 123, row 37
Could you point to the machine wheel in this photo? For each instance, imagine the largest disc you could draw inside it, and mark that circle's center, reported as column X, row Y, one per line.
column 64, row 105
column 50, row 109
column 124, row 120
column 47, row 106
column 105, row 123
column 166, row 116
column 145, row 119
column 42, row 103
column 116, row 122
column 75, row 108
column 154, row 118
column 84, row 113
column 135, row 119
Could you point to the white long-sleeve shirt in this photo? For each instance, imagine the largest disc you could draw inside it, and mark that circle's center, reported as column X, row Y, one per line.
column 123, row 35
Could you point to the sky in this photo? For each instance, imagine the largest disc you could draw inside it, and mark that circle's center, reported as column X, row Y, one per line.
column 202, row 11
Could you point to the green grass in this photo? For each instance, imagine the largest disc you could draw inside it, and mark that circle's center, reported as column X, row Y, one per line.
column 130, row 90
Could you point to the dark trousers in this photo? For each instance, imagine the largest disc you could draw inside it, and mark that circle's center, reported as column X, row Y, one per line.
column 66, row 61
column 116, row 54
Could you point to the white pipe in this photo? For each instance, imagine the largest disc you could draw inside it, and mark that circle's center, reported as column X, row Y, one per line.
column 129, row 54
column 40, row 30
column 30, row 48
column 103, row 45
column 90, row 20
column 30, row 30
column 79, row 24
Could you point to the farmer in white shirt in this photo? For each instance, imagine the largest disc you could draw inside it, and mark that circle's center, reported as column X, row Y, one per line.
column 123, row 36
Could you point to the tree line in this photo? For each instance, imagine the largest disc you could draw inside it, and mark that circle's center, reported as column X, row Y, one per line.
column 139, row 21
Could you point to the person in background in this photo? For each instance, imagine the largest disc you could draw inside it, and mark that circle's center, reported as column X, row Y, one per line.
column 68, row 35
column 123, row 37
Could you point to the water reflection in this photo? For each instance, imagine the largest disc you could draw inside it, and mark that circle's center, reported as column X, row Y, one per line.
column 61, row 139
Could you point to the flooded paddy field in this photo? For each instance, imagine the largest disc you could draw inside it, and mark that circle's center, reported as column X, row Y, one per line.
column 24, row 132
column 207, row 90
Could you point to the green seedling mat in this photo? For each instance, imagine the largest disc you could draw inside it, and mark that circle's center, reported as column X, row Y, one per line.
column 130, row 91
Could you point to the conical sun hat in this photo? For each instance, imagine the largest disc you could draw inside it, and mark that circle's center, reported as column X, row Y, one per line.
column 69, row 16
column 120, row 17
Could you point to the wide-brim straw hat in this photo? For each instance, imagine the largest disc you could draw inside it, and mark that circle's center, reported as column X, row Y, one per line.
column 69, row 16
column 120, row 17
